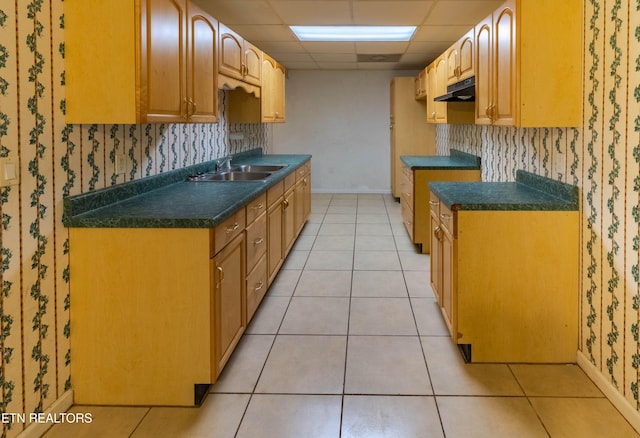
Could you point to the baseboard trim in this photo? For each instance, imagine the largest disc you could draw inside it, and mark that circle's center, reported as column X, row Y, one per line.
column 617, row 399
column 61, row 405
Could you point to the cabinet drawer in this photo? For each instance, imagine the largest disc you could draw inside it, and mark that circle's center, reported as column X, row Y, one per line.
column 226, row 231
column 408, row 173
column 447, row 219
column 302, row 171
column 407, row 219
column 289, row 181
column 256, row 208
column 275, row 193
column 256, row 286
column 434, row 204
column 256, row 240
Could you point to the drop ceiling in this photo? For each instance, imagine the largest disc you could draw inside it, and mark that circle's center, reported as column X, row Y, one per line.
column 266, row 24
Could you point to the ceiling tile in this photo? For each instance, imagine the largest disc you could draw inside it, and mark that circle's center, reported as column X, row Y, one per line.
column 384, row 13
column 287, row 58
column 334, row 57
column 440, row 33
column 301, row 66
column 280, row 47
column 265, row 33
column 240, row 11
column 324, row 47
column 461, row 12
column 338, row 65
column 428, row 47
column 384, row 47
column 314, row 12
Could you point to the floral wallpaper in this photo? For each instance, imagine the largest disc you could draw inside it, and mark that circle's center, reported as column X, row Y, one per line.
column 602, row 158
column 56, row 160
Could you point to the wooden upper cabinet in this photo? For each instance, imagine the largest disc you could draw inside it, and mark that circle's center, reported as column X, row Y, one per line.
column 144, row 61
column 484, row 84
column 273, row 86
column 239, row 59
column 460, row 59
column 164, row 74
column 452, row 57
column 253, row 64
column 203, row 91
column 465, row 56
column 421, row 85
column 528, row 64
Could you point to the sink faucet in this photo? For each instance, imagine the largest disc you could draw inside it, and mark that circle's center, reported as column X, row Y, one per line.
column 224, row 163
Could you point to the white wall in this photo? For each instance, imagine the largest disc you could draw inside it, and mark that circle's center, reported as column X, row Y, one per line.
column 342, row 119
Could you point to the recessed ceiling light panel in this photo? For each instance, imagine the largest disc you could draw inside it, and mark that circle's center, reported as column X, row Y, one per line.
column 354, row 33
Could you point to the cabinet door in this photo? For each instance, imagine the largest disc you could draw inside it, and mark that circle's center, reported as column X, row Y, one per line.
column 465, row 56
column 436, row 255
column 252, row 59
column 228, row 301
column 231, row 53
column 289, row 221
column 306, row 199
column 267, row 94
column 203, row 89
column 452, row 60
column 278, row 81
column 274, row 239
column 483, row 56
column 432, row 80
column 447, row 270
column 164, row 69
column 504, row 75
column 441, row 88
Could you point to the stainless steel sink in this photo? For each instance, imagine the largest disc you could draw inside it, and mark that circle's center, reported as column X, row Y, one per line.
column 229, row 176
column 256, row 168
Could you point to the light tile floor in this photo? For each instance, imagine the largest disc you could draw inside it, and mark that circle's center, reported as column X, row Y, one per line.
column 349, row 342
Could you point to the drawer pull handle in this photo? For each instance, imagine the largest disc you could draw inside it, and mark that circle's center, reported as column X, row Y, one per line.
column 445, row 216
column 285, row 203
column 259, row 285
column 434, row 203
column 260, row 206
column 258, row 241
column 437, row 233
column 220, row 275
column 231, row 229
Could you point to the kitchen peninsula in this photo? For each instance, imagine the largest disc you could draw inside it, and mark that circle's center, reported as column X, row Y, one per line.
column 504, row 267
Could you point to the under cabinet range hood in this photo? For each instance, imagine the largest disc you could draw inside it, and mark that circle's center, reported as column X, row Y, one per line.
column 463, row 91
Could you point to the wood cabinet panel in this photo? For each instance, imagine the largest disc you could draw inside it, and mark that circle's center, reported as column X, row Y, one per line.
column 408, row 132
column 228, row 301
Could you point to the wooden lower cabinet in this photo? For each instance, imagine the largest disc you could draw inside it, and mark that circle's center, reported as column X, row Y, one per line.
column 157, row 312
column 414, row 199
column 507, row 283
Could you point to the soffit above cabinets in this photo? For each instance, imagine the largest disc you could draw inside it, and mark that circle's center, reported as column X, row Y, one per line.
column 266, row 24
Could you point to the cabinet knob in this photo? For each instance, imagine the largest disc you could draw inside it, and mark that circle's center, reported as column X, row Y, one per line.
column 258, row 241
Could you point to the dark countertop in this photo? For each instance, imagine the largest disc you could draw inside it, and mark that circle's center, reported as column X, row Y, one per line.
column 168, row 201
column 528, row 192
column 457, row 160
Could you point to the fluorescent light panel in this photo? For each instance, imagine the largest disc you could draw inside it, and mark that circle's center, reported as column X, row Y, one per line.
column 353, row 33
